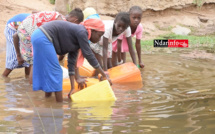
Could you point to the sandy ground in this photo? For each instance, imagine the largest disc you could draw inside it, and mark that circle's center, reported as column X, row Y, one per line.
column 9, row 8
column 154, row 23
column 157, row 23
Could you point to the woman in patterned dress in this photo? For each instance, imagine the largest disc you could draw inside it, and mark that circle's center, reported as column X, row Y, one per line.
column 29, row 25
column 11, row 60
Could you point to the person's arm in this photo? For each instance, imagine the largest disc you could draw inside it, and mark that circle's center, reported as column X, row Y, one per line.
column 16, row 45
column 105, row 50
column 80, row 80
column 119, row 44
column 72, row 81
column 104, row 74
column 138, row 49
column 71, row 69
column 88, row 54
column 61, row 57
column 131, row 50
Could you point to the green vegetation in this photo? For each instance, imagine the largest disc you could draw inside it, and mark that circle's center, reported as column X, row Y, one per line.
column 193, row 40
column 52, row 1
column 69, row 9
column 199, row 3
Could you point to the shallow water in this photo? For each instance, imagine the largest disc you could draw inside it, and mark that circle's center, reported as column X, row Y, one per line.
column 177, row 97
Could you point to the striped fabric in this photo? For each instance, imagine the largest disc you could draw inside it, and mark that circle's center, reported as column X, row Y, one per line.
column 11, row 59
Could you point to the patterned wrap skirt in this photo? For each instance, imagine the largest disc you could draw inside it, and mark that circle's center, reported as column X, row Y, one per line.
column 26, row 48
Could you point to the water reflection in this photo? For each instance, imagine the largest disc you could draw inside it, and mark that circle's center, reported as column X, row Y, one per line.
column 94, row 110
column 91, row 117
column 47, row 120
column 177, row 96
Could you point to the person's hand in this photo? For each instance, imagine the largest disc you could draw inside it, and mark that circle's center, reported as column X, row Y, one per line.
column 20, row 60
column 100, row 77
column 141, row 65
column 72, row 91
column 105, row 78
column 81, row 82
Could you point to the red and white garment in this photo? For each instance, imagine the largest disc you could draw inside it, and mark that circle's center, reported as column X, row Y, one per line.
column 34, row 21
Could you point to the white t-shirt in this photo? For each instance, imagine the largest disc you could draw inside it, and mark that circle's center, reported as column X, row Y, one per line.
column 109, row 31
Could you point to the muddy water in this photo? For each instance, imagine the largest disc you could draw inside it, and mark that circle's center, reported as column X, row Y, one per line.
column 178, row 97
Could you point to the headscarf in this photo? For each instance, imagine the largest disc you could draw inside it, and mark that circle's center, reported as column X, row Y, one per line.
column 95, row 24
column 88, row 11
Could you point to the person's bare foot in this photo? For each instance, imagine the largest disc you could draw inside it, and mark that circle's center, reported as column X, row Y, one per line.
column 47, row 95
column 59, row 96
column 6, row 79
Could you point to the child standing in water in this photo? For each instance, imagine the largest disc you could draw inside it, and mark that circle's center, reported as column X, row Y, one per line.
column 113, row 29
column 10, row 30
column 120, row 47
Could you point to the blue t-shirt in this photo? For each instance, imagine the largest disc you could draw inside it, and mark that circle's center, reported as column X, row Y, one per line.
column 18, row 17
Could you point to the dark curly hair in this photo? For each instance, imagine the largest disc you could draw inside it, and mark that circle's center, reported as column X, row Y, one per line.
column 124, row 17
column 135, row 8
column 77, row 12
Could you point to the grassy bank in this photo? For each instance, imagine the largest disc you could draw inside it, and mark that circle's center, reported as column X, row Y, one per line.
column 206, row 42
column 52, row 1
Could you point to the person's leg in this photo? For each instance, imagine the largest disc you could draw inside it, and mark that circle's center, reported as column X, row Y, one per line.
column 6, row 72
column 48, row 94
column 99, row 58
column 123, row 55
column 27, row 71
column 109, row 63
column 31, row 74
column 10, row 52
column 109, row 55
column 114, row 59
column 59, row 96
